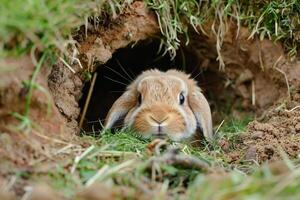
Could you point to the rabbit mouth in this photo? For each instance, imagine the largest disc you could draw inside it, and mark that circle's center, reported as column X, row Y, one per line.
column 160, row 135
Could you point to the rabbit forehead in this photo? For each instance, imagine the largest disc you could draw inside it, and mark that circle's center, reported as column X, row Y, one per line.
column 155, row 83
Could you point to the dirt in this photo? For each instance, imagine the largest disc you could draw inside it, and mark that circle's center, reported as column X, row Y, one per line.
column 255, row 69
column 19, row 148
column 280, row 135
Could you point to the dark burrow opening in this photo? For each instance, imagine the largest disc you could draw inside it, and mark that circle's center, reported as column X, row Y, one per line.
column 128, row 63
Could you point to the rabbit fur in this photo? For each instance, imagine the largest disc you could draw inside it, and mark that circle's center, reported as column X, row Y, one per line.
column 162, row 104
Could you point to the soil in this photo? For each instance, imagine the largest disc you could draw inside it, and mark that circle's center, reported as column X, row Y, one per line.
column 266, row 81
column 280, row 135
column 18, row 148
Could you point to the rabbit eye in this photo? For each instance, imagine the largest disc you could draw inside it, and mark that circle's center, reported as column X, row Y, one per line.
column 139, row 98
column 181, row 98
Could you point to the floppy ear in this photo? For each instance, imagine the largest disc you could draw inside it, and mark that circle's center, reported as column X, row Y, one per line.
column 201, row 110
column 120, row 108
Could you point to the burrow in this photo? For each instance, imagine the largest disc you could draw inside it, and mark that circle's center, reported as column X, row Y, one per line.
column 244, row 76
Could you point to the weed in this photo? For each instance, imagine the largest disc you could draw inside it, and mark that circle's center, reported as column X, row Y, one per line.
column 25, row 121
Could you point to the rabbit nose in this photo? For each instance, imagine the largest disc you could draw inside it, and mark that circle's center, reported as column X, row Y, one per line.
column 160, row 122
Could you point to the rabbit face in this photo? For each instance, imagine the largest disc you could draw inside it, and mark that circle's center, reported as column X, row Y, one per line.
column 163, row 104
column 162, row 108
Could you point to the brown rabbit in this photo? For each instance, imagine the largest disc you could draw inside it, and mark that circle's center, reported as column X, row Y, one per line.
column 163, row 104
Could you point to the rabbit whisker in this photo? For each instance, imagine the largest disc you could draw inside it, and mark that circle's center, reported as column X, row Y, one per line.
column 113, row 80
column 117, row 73
column 124, row 70
column 116, row 91
column 195, row 68
column 95, row 121
column 132, row 74
column 198, row 74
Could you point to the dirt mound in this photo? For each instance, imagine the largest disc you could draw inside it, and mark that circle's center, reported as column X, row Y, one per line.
column 281, row 134
column 43, row 127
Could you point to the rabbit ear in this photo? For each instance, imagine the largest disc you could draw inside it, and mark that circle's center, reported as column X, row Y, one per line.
column 120, row 108
column 201, row 110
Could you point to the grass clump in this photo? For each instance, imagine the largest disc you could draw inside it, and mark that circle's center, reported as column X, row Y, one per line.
column 276, row 20
column 264, row 183
column 125, row 140
column 42, row 24
column 49, row 24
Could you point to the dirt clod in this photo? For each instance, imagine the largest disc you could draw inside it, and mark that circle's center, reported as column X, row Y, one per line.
column 224, row 144
column 257, row 135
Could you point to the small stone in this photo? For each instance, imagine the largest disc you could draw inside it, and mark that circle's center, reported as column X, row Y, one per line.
column 257, row 135
column 251, row 153
column 297, row 127
column 224, row 144
column 233, row 156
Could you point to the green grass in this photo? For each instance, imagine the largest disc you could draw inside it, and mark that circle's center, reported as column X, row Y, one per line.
column 121, row 159
column 41, row 25
column 48, row 24
column 262, row 184
column 275, row 20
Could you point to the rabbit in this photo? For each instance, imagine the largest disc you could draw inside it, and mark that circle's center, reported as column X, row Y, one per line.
column 163, row 104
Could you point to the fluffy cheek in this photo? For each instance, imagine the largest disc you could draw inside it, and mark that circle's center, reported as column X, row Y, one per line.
column 139, row 123
column 136, row 120
column 184, row 125
column 177, row 128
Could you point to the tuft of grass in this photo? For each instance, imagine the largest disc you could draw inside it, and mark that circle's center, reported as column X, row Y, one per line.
column 264, row 183
column 49, row 24
column 25, row 120
column 233, row 127
column 124, row 140
column 275, row 20
column 42, row 24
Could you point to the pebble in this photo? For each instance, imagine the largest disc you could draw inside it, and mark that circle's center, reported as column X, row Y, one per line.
column 251, row 153
column 297, row 127
column 257, row 135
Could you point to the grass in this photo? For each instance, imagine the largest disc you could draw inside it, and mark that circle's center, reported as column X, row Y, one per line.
column 262, row 184
column 122, row 159
column 37, row 24
column 275, row 20
column 48, row 24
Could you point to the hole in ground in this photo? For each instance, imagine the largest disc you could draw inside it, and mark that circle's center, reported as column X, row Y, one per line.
column 127, row 63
